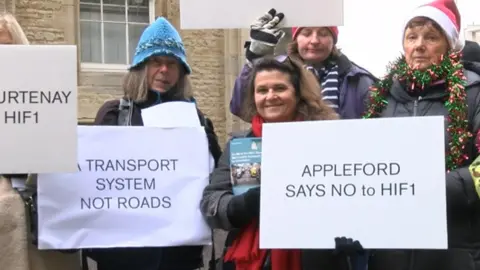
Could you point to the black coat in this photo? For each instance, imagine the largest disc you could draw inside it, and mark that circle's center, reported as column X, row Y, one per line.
column 462, row 201
column 471, row 51
column 148, row 258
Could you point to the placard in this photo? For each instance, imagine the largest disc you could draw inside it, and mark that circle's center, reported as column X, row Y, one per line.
column 226, row 14
column 378, row 181
column 38, row 108
column 137, row 187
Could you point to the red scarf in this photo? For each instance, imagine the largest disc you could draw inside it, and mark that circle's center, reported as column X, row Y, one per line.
column 257, row 123
column 245, row 251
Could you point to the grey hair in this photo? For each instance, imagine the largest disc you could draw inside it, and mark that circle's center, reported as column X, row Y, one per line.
column 11, row 24
column 135, row 86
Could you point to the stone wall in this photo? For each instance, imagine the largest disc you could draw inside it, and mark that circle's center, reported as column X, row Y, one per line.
column 56, row 22
column 216, row 57
column 205, row 53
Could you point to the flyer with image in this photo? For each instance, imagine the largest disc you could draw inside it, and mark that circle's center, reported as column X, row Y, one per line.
column 245, row 159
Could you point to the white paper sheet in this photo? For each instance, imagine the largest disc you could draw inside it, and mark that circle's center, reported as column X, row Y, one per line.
column 225, row 14
column 171, row 114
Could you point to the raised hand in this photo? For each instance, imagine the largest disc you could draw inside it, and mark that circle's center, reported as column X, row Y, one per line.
column 265, row 33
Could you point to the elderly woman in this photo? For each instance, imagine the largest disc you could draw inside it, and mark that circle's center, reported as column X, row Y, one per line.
column 344, row 84
column 278, row 91
column 18, row 252
column 159, row 73
column 430, row 80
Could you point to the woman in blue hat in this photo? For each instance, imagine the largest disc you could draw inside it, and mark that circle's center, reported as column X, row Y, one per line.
column 158, row 74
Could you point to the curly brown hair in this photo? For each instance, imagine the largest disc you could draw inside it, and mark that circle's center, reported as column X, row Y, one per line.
column 310, row 104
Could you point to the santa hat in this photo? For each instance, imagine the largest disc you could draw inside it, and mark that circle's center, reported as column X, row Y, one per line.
column 333, row 30
column 445, row 13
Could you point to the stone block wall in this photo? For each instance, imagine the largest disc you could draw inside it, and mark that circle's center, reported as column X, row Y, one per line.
column 216, row 57
column 205, row 53
column 56, row 22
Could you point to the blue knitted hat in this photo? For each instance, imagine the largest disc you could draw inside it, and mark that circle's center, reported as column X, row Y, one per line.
column 160, row 38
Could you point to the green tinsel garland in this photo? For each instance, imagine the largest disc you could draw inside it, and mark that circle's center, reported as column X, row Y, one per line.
column 449, row 69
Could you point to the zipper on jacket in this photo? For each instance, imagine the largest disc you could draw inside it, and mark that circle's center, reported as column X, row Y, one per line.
column 415, row 106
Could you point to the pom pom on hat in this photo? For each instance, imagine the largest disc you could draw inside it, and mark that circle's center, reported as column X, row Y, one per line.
column 333, row 30
column 445, row 13
column 160, row 38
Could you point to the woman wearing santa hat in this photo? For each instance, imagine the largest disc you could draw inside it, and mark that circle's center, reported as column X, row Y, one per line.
column 344, row 84
column 430, row 80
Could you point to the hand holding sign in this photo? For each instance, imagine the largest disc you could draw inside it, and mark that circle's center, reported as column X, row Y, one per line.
column 243, row 208
column 265, row 34
column 348, row 246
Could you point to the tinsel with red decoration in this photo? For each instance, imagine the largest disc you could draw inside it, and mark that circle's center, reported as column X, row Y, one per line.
column 451, row 70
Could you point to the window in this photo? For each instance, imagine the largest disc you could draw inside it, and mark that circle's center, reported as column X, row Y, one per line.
column 110, row 29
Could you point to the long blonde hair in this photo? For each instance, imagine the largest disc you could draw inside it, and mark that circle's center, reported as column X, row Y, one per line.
column 8, row 21
column 135, row 85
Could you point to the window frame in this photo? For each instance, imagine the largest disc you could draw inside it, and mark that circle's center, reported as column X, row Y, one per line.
column 111, row 68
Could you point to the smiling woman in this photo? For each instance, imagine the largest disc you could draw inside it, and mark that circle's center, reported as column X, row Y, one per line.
column 279, row 90
column 275, row 96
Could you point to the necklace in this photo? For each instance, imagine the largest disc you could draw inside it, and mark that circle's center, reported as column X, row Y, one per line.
column 449, row 69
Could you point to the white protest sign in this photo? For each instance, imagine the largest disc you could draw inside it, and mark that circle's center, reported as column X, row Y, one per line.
column 171, row 114
column 38, row 108
column 227, row 14
column 379, row 181
column 138, row 187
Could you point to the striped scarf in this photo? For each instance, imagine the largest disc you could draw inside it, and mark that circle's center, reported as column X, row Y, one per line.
column 328, row 78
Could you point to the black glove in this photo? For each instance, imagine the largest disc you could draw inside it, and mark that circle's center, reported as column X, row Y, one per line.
column 265, row 34
column 348, row 246
column 244, row 207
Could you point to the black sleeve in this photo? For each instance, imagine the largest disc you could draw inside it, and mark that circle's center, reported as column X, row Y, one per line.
column 213, row 144
column 107, row 115
column 461, row 182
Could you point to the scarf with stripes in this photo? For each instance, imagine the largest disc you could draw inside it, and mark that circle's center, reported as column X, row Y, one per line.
column 328, row 79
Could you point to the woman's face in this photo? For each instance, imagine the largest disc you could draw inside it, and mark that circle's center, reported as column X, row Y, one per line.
column 274, row 96
column 424, row 45
column 5, row 36
column 163, row 72
column 315, row 44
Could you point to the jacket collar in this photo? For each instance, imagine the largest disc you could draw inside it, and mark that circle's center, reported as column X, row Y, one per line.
column 435, row 91
column 348, row 68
